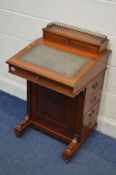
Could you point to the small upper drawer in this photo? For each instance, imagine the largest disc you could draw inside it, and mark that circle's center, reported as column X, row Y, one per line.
column 56, row 38
column 95, row 85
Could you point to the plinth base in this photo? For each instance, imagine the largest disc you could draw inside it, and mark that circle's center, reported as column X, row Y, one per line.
column 72, row 147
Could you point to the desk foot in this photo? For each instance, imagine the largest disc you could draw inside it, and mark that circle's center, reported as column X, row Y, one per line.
column 19, row 129
column 74, row 145
column 70, row 150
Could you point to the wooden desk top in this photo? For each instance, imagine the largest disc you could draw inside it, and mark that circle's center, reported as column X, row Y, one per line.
column 70, row 62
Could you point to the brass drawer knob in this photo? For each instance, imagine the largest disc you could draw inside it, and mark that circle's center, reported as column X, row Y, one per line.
column 94, row 86
column 90, row 114
column 93, row 100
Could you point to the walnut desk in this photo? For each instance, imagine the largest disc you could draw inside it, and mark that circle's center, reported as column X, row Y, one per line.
column 64, row 71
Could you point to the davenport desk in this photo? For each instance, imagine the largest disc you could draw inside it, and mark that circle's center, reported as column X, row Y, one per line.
column 64, row 71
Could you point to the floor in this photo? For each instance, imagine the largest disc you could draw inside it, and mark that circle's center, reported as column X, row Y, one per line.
column 36, row 153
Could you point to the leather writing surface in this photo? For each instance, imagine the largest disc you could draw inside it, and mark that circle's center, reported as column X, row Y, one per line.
column 54, row 59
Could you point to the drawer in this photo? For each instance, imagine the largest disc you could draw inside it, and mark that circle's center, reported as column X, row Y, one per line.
column 92, row 100
column 95, row 85
column 56, row 38
column 91, row 117
column 41, row 80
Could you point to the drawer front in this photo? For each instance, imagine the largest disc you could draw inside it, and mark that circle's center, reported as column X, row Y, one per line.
column 92, row 100
column 44, row 81
column 56, row 38
column 91, row 117
column 95, row 85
